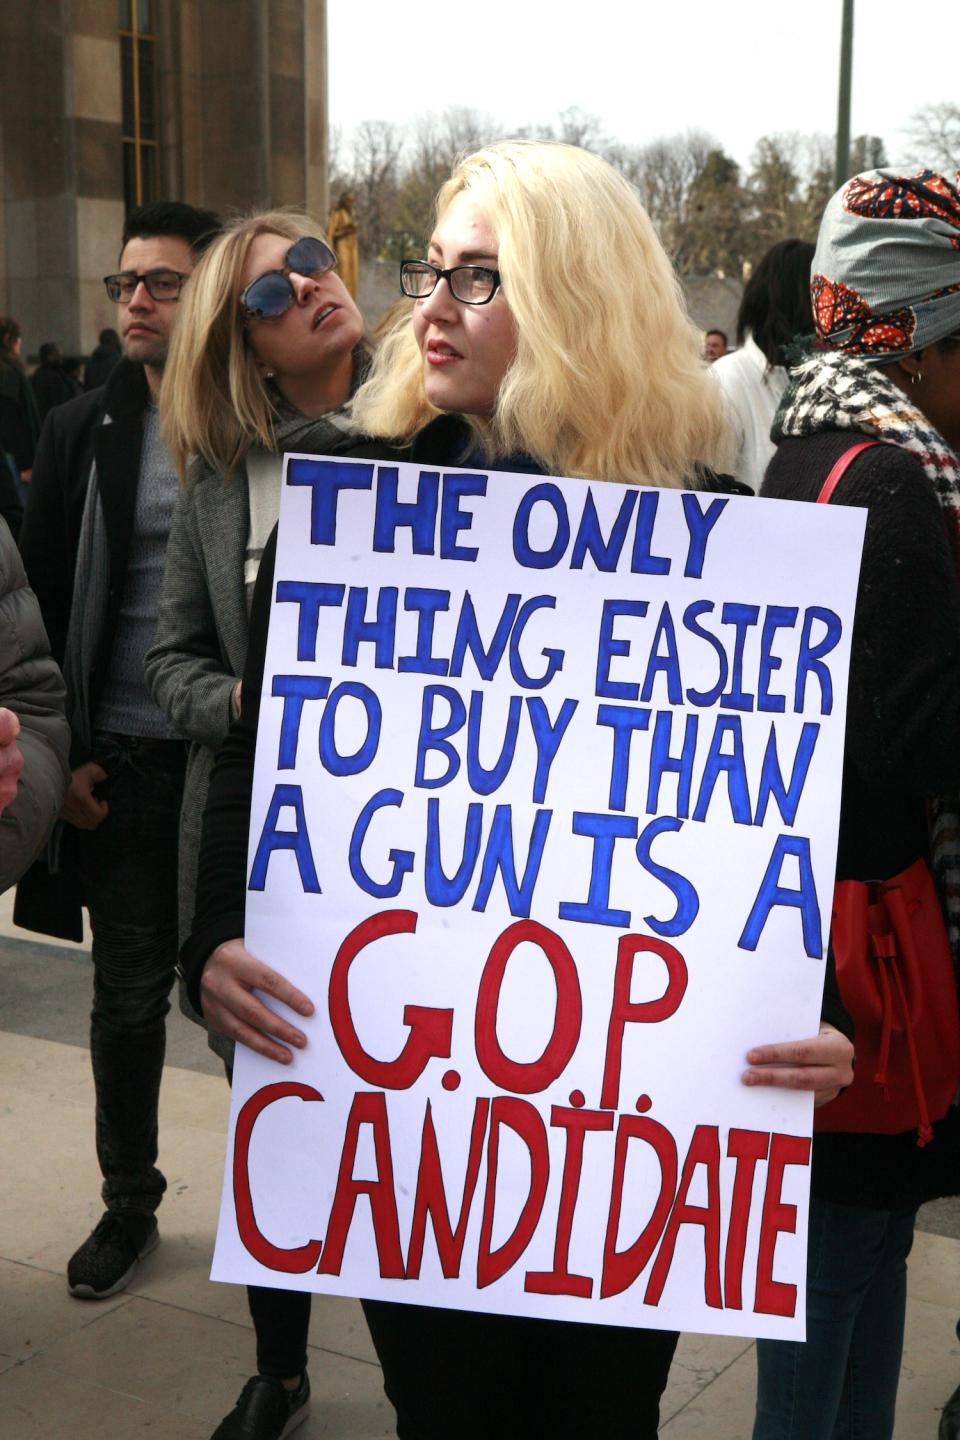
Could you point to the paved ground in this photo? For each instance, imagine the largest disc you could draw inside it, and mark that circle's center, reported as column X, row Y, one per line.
column 167, row 1358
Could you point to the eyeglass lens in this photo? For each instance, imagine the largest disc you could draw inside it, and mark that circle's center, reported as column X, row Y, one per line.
column 160, row 285
column 470, row 284
column 271, row 295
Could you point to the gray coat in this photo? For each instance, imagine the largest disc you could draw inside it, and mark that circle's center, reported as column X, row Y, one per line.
column 200, row 648
column 31, row 686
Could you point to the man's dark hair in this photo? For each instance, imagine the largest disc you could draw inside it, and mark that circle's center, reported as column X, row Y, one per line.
column 110, row 337
column 172, row 217
column 721, row 333
column 48, row 349
column 775, row 307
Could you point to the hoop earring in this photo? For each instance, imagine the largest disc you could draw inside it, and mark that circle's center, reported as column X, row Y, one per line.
column 916, row 378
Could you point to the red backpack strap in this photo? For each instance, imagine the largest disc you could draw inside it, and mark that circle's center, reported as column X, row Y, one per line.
column 840, row 469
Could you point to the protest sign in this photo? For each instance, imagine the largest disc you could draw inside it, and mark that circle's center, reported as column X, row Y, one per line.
column 544, row 822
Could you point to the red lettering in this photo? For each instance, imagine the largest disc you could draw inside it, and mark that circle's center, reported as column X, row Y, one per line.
column 430, row 1198
column 302, row 1258
column 704, row 1150
column 559, row 1281
column 430, row 1030
column 747, row 1147
column 623, row 1010
column 525, row 1121
column 773, row 1297
column 621, row 1267
column 528, row 1078
column 367, row 1109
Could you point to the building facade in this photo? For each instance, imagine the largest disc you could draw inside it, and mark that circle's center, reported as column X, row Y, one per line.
column 106, row 104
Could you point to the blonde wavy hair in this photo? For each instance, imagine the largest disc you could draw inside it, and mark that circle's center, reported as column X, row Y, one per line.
column 608, row 381
column 213, row 402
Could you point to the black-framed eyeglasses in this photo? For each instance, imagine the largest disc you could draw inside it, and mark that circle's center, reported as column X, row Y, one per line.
column 160, row 284
column 271, row 294
column 470, row 284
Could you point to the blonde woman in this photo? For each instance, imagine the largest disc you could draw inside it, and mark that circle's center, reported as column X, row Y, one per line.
column 268, row 353
column 547, row 334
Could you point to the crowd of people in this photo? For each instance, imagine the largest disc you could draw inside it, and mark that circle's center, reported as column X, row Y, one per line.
column 543, row 330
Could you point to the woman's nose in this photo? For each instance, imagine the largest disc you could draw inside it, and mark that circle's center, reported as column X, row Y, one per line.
column 439, row 303
column 304, row 286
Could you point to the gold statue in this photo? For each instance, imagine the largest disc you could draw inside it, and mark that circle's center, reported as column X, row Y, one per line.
column 342, row 234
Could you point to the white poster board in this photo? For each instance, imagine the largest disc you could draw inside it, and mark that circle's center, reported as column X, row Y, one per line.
column 544, row 822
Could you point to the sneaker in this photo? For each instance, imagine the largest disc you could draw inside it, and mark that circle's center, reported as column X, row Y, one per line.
column 266, row 1410
column 107, row 1258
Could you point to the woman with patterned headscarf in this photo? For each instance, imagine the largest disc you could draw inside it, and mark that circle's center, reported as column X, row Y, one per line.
column 885, row 367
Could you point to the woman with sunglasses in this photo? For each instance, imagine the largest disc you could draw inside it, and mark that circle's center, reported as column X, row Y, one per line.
column 547, row 335
column 268, row 352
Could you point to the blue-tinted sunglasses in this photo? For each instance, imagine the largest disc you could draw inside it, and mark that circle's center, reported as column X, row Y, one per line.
column 271, row 294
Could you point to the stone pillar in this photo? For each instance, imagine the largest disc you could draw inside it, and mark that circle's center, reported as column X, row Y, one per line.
column 61, row 209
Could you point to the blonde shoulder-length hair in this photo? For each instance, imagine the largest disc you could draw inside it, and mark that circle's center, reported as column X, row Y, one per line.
column 607, row 381
column 212, row 400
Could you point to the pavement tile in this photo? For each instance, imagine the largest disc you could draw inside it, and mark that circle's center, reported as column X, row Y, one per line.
column 37, row 1311
column 195, row 1366
column 698, row 1361
column 933, row 1271
column 40, row 1401
column 723, row 1409
column 931, row 1365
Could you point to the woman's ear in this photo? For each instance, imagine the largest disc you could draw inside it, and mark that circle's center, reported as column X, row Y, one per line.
column 912, row 367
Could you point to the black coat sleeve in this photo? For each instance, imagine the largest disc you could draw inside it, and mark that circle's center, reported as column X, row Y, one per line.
column 44, row 540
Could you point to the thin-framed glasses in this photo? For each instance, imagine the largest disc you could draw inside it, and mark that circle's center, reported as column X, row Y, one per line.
column 160, row 284
column 271, row 294
column 470, row 284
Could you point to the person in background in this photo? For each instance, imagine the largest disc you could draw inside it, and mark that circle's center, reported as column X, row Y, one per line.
column 93, row 543
column 107, row 354
column 51, row 381
column 510, row 360
column 267, row 353
column 774, row 311
column 19, row 421
column 885, row 367
column 34, row 734
column 714, row 345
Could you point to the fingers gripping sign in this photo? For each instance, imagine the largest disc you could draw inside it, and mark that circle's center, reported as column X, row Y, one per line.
column 823, row 1064
column 231, row 990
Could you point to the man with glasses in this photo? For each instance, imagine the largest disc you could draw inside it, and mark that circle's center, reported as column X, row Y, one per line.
column 93, row 542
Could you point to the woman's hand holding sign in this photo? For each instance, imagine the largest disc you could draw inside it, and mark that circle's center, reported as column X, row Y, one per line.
column 823, row 1064
column 232, row 1006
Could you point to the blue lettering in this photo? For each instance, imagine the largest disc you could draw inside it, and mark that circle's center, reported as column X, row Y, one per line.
column 604, row 831
column 311, row 596
column 419, row 516
column 523, row 551
column 351, row 764
column 326, row 479
column 401, row 860
column 297, row 840
column 608, row 647
column 688, row 901
column 295, row 690
column 772, row 893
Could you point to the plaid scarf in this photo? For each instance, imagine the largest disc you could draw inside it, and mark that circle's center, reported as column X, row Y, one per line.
column 833, row 391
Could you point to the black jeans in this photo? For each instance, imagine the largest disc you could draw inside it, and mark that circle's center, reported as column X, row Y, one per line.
column 128, row 869
column 458, row 1373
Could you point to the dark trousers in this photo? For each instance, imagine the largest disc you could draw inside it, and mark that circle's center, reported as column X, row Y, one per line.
column 128, row 869
column 456, row 1373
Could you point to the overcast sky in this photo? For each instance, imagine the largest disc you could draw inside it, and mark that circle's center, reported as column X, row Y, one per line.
column 645, row 67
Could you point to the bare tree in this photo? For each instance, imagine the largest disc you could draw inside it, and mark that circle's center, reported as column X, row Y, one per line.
column 933, row 136
column 375, row 180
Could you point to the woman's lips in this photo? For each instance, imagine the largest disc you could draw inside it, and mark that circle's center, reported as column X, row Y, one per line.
column 324, row 314
column 439, row 353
